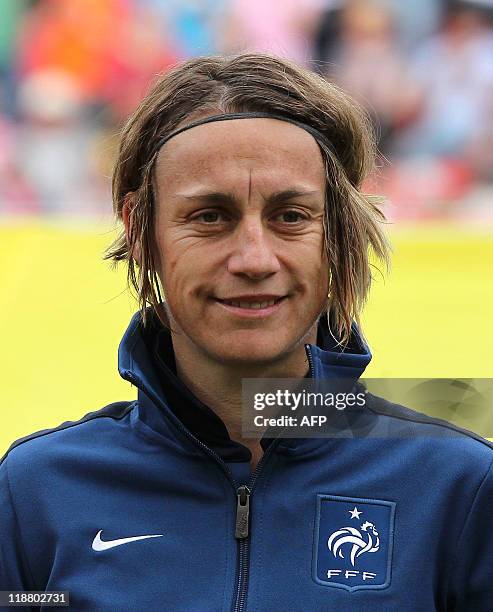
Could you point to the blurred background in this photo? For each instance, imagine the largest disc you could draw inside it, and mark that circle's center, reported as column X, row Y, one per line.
column 72, row 70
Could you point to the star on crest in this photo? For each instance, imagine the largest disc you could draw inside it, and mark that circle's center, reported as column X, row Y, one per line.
column 355, row 513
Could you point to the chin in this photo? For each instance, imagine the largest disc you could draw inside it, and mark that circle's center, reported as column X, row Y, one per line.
column 251, row 348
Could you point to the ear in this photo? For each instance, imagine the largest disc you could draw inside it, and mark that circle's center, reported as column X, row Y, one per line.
column 127, row 210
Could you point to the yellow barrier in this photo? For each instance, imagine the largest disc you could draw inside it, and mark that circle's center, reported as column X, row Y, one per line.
column 63, row 311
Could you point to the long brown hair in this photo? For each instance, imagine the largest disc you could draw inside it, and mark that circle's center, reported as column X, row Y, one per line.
column 257, row 82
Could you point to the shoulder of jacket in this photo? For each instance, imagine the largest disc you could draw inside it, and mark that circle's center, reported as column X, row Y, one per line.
column 412, row 420
column 115, row 410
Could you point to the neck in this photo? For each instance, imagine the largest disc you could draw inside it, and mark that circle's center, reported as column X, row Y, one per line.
column 219, row 385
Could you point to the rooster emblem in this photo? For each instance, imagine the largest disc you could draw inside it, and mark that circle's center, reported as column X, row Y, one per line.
column 364, row 541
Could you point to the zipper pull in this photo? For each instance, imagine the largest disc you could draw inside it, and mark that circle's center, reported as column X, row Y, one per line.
column 242, row 512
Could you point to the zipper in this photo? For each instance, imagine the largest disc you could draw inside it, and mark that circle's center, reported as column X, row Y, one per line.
column 242, row 515
column 242, row 512
column 244, row 494
column 308, row 351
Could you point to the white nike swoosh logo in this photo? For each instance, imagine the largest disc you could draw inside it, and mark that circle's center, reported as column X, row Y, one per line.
column 98, row 544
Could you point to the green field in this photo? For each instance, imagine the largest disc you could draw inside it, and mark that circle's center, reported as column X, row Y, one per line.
column 63, row 311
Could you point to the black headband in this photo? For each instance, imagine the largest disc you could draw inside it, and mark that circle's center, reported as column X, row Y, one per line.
column 248, row 115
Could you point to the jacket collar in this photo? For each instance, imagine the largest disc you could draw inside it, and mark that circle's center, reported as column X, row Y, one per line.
column 166, row 405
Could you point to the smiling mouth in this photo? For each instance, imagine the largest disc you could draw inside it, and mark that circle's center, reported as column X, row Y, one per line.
column 252, row 305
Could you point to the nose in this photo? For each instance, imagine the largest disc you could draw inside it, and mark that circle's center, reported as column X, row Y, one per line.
column 252, row 254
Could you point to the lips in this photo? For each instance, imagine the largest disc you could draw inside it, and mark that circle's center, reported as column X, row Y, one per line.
column 252, row 305
column 252, row 302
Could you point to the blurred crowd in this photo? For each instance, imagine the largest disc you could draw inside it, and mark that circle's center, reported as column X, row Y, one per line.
column 72, row 70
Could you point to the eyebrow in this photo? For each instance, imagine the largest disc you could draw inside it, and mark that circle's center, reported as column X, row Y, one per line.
column 218, row 197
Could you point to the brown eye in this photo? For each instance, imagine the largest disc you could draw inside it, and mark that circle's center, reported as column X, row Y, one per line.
column 290, row 217
column 210, row 217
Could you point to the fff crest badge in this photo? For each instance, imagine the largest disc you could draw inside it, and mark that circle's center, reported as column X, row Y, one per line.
column 353, row 542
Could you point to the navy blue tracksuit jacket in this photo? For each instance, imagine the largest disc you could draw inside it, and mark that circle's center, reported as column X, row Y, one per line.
column 148, row 504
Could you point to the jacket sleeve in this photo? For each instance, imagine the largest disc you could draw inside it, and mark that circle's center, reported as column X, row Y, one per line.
column 471, row 581
column 14, row 570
